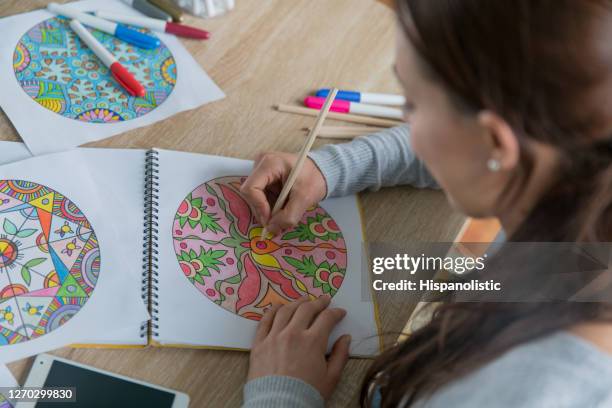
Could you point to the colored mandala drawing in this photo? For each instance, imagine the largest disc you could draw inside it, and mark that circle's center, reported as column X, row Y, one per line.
column 49, row 260
column 217, row 243
column 56, row 69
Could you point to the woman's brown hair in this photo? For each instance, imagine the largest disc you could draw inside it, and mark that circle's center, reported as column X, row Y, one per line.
column 545, row 66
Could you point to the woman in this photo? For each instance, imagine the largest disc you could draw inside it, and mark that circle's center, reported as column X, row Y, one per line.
column 509, row 110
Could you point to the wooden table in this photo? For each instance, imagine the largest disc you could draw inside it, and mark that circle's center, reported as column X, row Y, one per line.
column 267, row 52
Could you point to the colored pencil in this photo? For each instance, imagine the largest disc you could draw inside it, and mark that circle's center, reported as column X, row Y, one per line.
column 293, row 175
column 346, row 117
column 345, row 132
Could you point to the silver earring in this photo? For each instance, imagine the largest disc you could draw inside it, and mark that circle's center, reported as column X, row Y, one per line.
column 494, row 165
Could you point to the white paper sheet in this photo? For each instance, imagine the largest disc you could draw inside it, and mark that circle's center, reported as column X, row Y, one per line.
column 45, row 131
column 13, row 151
column 110, row 165
column 187, row 317
column 115, row 303
column 120, row 174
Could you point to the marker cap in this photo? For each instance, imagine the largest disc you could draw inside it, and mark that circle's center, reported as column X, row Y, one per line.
column 337, row 106
column 344, row 95
column 186, row 31
column 127, row 80
column 136, row 37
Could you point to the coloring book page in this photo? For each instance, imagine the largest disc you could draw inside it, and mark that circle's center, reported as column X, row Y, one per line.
column 126, row 212
column 12, row 152
column 110, row 165
column 59, row 95
column 216, row 278
column 62, row 273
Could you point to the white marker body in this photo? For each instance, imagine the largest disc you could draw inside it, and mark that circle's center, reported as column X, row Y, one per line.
column 382, row 99
column 146, row 22
column 105, row 56
column 87, row 19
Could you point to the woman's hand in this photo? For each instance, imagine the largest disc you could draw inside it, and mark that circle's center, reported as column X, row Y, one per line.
column 292, row 341
column 266, row 182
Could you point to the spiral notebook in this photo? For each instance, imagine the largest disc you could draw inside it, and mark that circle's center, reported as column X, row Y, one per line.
column 206, row 277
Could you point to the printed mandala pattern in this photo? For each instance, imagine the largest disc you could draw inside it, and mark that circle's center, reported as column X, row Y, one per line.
column 49, row 260
column 62, row 74
column 218, row 247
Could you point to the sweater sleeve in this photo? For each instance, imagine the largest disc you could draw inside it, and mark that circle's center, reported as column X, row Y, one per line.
column 558, row 370
column 280, row 391
column 371, row 162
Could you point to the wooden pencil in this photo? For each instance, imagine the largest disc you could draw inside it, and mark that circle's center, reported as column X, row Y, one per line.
column 346, row 117
column 293, row 175
column 345, row 132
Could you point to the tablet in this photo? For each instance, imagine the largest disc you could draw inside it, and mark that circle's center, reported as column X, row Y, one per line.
column 91, row 387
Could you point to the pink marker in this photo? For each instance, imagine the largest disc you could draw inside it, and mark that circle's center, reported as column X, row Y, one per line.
column 356, row 108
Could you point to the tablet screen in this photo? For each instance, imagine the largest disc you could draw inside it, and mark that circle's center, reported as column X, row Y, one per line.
column 94, row 389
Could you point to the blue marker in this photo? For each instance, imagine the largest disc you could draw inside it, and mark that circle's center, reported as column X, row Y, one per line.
column 118, row 30
column 366, row 97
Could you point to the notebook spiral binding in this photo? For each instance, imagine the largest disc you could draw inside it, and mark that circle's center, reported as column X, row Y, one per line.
column 150, row 251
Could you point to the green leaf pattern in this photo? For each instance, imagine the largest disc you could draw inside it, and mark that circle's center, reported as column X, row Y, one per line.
column 206, row 220
column 308, row 267
column 304, row 230
column 25, row 269
column 205, row 262
column 9, row 227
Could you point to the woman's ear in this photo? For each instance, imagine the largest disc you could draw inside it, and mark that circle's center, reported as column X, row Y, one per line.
column 504, row 144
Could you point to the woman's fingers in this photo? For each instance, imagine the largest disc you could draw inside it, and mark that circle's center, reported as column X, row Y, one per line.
column 258, row 157
column 292, row 213
column 338, row 358
column 265, row 173
column 326, row 321
column 265, row 324
column 284, row 314
column 270, row 172
column 307, row 312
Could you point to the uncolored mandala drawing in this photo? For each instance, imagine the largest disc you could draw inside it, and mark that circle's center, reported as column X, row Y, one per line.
column 217, row 243
column 63, row 75
column 49, row 260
